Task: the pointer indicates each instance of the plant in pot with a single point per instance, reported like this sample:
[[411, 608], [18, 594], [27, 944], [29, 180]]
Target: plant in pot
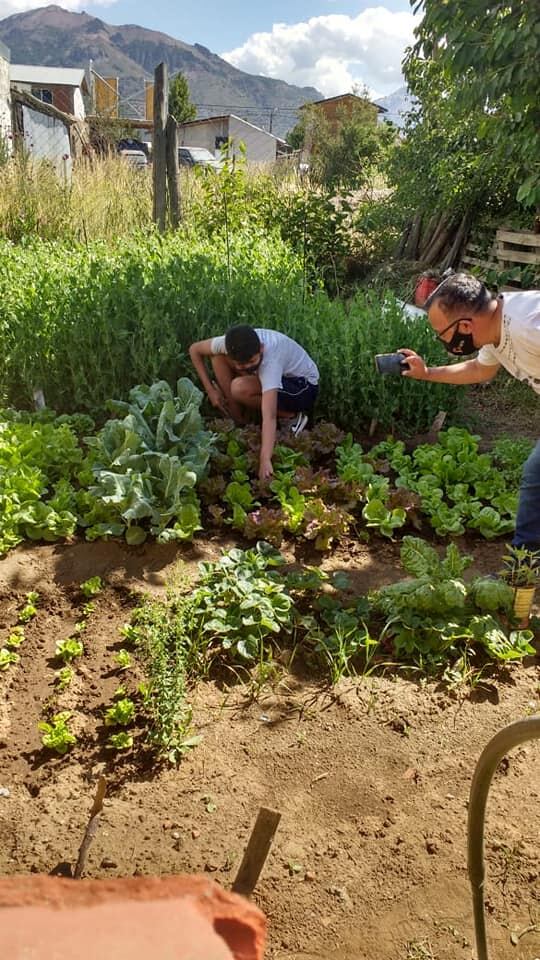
[[522, 572]]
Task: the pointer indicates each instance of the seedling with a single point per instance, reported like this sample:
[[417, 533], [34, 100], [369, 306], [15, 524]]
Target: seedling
[[7, 658], [120, 692], [80, 626], [69, 649], [64, 678], [122, 713], [56, 735], [123, 659], [521, 567], [88, 608], [91, 587], [15, 638], [129, 633], [29, 610], [120, 741]]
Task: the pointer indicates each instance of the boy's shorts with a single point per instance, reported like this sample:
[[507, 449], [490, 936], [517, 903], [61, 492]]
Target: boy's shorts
[[297, 395]]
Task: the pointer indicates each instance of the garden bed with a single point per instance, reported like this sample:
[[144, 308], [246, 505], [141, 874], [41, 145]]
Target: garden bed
[[371, 776]]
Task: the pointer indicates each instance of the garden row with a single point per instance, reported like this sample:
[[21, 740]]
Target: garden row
[[158, 469], [246, 614], [86, 323]]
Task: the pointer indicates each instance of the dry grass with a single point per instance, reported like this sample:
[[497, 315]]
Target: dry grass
[[106, 198]]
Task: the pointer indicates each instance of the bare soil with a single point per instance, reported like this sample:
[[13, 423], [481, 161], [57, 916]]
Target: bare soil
[[371, 777]]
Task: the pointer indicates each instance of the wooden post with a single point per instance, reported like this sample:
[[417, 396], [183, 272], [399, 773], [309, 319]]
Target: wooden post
[[256, 851], [161, 104], [175, 213]]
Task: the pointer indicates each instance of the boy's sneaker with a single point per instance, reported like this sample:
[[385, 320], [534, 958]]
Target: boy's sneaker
[[298, 423]]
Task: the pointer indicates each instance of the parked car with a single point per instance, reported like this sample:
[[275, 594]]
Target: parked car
[[136, 158], [198, 157]]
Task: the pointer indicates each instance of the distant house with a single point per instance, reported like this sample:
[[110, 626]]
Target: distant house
[[337, 108], [216, 132], [59, 87], [48, 113], [5, 110]]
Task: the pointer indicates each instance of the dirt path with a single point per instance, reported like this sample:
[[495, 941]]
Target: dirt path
[[372, 778]]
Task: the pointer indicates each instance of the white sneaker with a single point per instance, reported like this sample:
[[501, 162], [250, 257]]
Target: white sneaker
[[298, 423]]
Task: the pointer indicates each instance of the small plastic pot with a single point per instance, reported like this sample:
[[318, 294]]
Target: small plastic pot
[[523, 601]]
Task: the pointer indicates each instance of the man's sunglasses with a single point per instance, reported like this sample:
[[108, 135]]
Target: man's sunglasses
[[439, 336]]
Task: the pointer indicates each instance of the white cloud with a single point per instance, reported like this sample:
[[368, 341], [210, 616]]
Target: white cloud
[[8, 7], [333, 52]]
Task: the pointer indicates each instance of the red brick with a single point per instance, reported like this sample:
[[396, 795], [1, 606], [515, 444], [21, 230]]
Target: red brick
[[109, 905]]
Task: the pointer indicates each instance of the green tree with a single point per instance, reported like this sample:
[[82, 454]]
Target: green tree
[[345, 154], [441, 163], [488, 53], [180, 105]]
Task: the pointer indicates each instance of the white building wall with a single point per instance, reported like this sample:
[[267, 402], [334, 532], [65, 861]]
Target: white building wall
[[5, 113], [260, 146], [203, 134]]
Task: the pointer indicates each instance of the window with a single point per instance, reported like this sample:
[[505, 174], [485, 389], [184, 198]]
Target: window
[[44, 95]]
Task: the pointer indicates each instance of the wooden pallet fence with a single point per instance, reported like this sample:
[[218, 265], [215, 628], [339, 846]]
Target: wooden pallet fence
[[475, 257], [517, 247]]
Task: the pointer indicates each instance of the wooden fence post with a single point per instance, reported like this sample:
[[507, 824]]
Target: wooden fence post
[[161, 109], [175, 213]]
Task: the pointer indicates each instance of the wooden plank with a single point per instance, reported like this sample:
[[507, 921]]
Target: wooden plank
[[159, 150], [524, 238], [517, 256], [256, 852], [172, 172], [485, 264]]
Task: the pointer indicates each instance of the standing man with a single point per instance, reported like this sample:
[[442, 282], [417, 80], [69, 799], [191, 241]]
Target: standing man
[[506, 332], [258, 369]]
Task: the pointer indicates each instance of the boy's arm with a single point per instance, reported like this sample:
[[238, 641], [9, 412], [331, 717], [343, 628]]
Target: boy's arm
[[197, 352], [268, 433]]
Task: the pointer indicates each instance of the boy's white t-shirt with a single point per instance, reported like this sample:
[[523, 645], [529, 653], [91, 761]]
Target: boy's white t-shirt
[[519, 349], [282, 357]]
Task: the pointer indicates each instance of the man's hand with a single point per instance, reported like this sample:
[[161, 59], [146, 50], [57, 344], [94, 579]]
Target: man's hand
[[217, 399], [265, 471], [417, 368]]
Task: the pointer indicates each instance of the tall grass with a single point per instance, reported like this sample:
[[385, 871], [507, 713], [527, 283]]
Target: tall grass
[[87, 322], [105, 198]]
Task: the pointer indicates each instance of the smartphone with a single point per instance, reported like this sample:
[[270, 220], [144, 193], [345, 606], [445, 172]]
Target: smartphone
[[391, 363]]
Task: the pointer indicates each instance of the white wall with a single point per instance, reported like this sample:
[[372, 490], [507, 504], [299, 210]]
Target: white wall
[[5, 114], [260, 146]]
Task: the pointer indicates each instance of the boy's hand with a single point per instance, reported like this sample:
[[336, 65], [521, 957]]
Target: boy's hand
[[265, 471], [217, 399]]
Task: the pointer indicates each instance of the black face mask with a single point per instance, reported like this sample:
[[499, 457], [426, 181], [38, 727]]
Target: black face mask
[[461, 344], [253, 368]]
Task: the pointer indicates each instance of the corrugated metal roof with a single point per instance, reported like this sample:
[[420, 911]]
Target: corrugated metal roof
[[64, 76]]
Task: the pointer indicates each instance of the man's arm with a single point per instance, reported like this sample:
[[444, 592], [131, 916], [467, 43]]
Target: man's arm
[[268, 433], [197, 352], [468, 371]]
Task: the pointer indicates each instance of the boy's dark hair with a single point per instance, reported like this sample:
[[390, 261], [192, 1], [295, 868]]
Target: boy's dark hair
[[242, 343], [460, 290]]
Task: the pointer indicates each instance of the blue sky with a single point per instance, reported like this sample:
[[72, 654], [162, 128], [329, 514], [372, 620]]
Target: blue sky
[[330, 44]]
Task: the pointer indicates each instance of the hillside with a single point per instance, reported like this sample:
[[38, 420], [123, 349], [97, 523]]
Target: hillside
[[56, 37]]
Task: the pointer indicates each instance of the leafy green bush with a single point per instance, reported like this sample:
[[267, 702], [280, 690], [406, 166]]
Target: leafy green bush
[[87, 323]]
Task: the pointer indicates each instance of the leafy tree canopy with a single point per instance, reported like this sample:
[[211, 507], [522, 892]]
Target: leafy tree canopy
[[488, 55]]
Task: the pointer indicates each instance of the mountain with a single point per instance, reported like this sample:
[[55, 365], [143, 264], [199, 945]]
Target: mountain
[[397, 104], [52, 36]]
